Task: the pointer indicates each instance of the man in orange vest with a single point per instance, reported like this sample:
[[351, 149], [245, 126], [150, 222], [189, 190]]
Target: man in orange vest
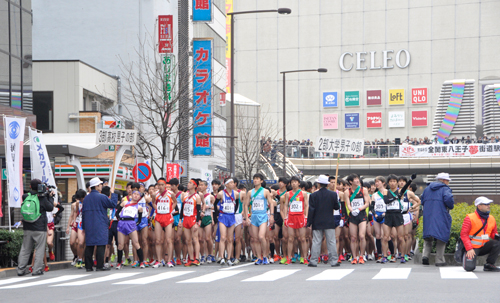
[[483, 242]]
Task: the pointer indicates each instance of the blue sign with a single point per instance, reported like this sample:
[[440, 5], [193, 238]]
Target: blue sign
[[330, 99], [202, 97], [202, 10], [14, 129], [352, 120]]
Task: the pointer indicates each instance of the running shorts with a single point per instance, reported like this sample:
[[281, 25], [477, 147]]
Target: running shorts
[[393, 219], [126, 227], [259, 219], [378, 215], [189, 222], [217, 234], [238, 219], [74, 228], [164, 219], [406, 219], [278, 220], [296, 221], [227, 219], [144, 223], [50, 226], [361, 217], [113, 232], [207, 220], [336, 220]]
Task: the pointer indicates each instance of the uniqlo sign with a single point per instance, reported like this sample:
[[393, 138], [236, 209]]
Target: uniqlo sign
[[418, 95], [419, 118], [373, 120], [373, 97], [165, 34]]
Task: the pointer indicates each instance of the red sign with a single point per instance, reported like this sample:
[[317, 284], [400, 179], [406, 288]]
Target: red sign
[[419, 118], [141, 172], [165, 34], [373, 120], [222, 99], [173, 171], [418, 95], [373, 97]]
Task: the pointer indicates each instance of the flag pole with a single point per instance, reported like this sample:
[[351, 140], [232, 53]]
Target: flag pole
[[336, 173]]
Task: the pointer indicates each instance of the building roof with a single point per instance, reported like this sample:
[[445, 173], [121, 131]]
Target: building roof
[[241, 100]]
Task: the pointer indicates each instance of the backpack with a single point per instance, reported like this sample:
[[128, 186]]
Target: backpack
[[30, 209]]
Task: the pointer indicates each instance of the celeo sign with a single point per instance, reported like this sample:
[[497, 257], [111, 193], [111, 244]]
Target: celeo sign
[[361, 60]]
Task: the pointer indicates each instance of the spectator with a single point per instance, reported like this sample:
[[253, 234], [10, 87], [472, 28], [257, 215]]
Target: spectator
[[479, 234], [437, 200], [35, 229], [95, 222], [435, 141], [455, 140], [467, 141]]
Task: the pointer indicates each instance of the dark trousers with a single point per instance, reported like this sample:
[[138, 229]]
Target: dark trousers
[[492, 249], [99, 254]]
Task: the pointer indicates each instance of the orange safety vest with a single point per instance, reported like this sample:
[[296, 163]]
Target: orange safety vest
[[478, 241]]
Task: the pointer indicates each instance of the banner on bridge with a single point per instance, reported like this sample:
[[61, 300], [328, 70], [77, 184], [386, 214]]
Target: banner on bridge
[[339, 146], [450, 150]]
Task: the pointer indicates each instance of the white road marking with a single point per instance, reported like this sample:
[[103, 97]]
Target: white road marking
[[100, 279], [331, 275], [237, 266], [272, 275], [393, 274], [456, 273], [155, 278], [15, 280], [212, 277], [48, 281]]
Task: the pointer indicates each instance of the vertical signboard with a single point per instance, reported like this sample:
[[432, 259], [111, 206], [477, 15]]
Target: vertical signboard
[[173, 171], [14, 137], [330, 121], [229, 43], [202, 10], [165, 34], [202, 97], [419, 95], [373, 97], [330, 99], [351, 98]]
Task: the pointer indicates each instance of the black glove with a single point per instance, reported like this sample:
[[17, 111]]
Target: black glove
[[413, 177], [379, 219]]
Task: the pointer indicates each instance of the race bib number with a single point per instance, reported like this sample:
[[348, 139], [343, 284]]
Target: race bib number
[[336, 212], [163, 208], [296, 207], [188, 210], [228, 208], [130, 212], [258, 205], [357, 203], [379, 207], [278, 207]]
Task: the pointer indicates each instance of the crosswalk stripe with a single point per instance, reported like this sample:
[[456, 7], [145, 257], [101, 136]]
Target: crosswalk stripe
[[331, 275], [237, 266], [393, 274], [212, 277], [14, 280], [155, 278], [97, 280], [456, 273], [48, 281], [272, 275]]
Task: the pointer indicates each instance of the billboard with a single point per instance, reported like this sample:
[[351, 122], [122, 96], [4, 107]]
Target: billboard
[[352, 120], [396, 97], [330, 121], [165, 34], [351, 98], [202, 10], [373, 97], [397, 119], [419, 118], [419, 95], [374, 120], [330, 99]]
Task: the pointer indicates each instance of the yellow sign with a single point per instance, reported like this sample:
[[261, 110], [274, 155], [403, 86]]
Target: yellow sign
[[120, 185], [229, 68], [396, 96]]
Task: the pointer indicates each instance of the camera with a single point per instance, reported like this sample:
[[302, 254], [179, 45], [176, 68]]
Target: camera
[[44, 189]]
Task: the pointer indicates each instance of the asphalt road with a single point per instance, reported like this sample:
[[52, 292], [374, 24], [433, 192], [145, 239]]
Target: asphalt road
[[247, 283]]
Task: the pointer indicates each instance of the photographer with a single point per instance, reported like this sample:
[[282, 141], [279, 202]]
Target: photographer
[[35, 205]]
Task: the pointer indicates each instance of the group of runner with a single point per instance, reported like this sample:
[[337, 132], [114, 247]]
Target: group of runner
[[170, 224]]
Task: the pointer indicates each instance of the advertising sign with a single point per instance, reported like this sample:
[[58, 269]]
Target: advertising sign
[[351, 98], [165, 34], [373, 97], [419, 118], [374, 120], [396, 119], [450, 150], [339, 146], [330, 121], [202, 10], [352, 120], [396, 96], [419, 95], [330, 99]]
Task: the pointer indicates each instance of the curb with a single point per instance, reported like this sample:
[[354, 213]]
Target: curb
[[12, 271]]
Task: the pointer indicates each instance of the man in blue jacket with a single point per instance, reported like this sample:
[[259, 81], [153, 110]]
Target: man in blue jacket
[[95, 222], [437, 200]]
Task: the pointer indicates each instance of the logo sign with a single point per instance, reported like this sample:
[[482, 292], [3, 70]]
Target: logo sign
[[110, 122], [330, 99], [351, 98], [14, 129], [396, 96], [373, 120], [396, 119], [173, 171], [4, 174], [165, 34], [330, 121], [419, 118], [352, 120], [373, 97], [202, 10], [207, 175], [141, 172], [419, 95], [407, 151]]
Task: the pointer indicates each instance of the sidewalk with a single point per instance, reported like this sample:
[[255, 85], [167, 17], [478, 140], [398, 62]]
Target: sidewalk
[[12, 271]]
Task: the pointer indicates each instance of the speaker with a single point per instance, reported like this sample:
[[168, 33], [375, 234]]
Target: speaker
[[397, 141]]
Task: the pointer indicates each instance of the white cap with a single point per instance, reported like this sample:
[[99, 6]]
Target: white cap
[[482, 200], [443, 176], [95, 181], [322, 179]]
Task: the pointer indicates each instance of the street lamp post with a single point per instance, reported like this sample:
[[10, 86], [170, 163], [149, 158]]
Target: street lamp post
[[319, 70], [282, 11]]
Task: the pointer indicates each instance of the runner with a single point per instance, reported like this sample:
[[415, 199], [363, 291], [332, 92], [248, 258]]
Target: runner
[[151, 222], [127, 213], [51, 216], [206, 223], [409, 204], [191, 211], [295, 210], [178, 243], [278, 219], [227, 208], [339, 223], [216, 186], [80, 196], [357, 200], [74, 230], [112, 229], [142, 229], [378, 209], [238, 226], [256, 199], [370, 243]]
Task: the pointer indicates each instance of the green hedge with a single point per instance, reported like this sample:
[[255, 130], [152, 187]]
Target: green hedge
[[458, 214], [10, 250]]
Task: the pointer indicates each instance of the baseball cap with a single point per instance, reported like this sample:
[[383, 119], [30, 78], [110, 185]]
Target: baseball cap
[[482, 200]]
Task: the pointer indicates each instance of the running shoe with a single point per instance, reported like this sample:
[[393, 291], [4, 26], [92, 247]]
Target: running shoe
[[146, 263], [354, 261], [31, 269], [271, 260], [283, 260], [156, 264], [364, 258], [296, 256], [95, 263], [52, 257], [106, 265], [288, 261], [341, 258], [79, 264], [276, 258], [305, 261], [170, 264], [349, 258], [213, 259], [265, 261], [188, 263], [406, 257], [301, 260], [119, 266], [236, 261], [403, 260], [243, 258], [127, 262], [209, 259], [196, 262], [258, 262], [222, 262], [135, 264], [325, 259], [163, 263], [409, 258], [113, 258], [202, 261], [361, 260], [294, 260], [74, 261], [254, 259], [46, 269], [399, 256], [142, 265], [370, 257], [178, 262], [412, 253], [393, 260], [379, 259], [384, 260], [83, 264], [230, 262]]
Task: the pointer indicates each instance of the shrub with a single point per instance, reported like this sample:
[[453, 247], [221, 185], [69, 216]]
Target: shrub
[[458, 214], [12, 248]]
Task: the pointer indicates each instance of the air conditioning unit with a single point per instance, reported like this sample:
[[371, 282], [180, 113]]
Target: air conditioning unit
[[96, 106]]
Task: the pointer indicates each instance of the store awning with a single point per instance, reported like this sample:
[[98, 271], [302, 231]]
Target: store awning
[[71, 144]]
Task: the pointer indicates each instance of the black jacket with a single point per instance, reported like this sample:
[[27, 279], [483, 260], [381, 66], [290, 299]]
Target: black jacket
[[46, 204], [321, 206]]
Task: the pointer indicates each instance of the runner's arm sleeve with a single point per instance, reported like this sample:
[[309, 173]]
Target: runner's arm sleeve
[[237, 202], [176, 210], [118, 211], [60, 209], [139, 218], [403, 190], [198, 212], [182, 211]]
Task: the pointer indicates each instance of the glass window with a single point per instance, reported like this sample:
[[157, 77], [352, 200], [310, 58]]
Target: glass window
[[62, 186], [43, 109]]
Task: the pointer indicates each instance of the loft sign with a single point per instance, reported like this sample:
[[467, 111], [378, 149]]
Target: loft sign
[[369, 60]]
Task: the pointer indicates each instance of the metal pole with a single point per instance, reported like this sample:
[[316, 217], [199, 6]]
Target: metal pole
[[284, 128], [22, 56], [10, 62], [231, 151]]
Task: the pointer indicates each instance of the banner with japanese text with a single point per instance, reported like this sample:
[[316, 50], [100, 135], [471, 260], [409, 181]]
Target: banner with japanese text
[[202, 10], [339, 146], [206, 175], [450, 150], [165, 34], [202, 97], [14, 138], [40, 162], [173, 171]]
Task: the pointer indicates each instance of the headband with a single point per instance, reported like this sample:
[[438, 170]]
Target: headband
[[136, 191], [161, 181], [194, 182], [227, 181]]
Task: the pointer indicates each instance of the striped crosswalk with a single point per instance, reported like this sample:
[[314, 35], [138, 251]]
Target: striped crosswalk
[[144, 277]]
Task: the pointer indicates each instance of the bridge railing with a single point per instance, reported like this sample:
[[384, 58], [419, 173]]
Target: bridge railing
[[308, 152]]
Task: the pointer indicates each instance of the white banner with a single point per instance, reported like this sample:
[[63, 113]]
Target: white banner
[[40, 162], [116, 136], [14, 137], [339, 146], [147, 183], [206, 175], [450, 150]]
